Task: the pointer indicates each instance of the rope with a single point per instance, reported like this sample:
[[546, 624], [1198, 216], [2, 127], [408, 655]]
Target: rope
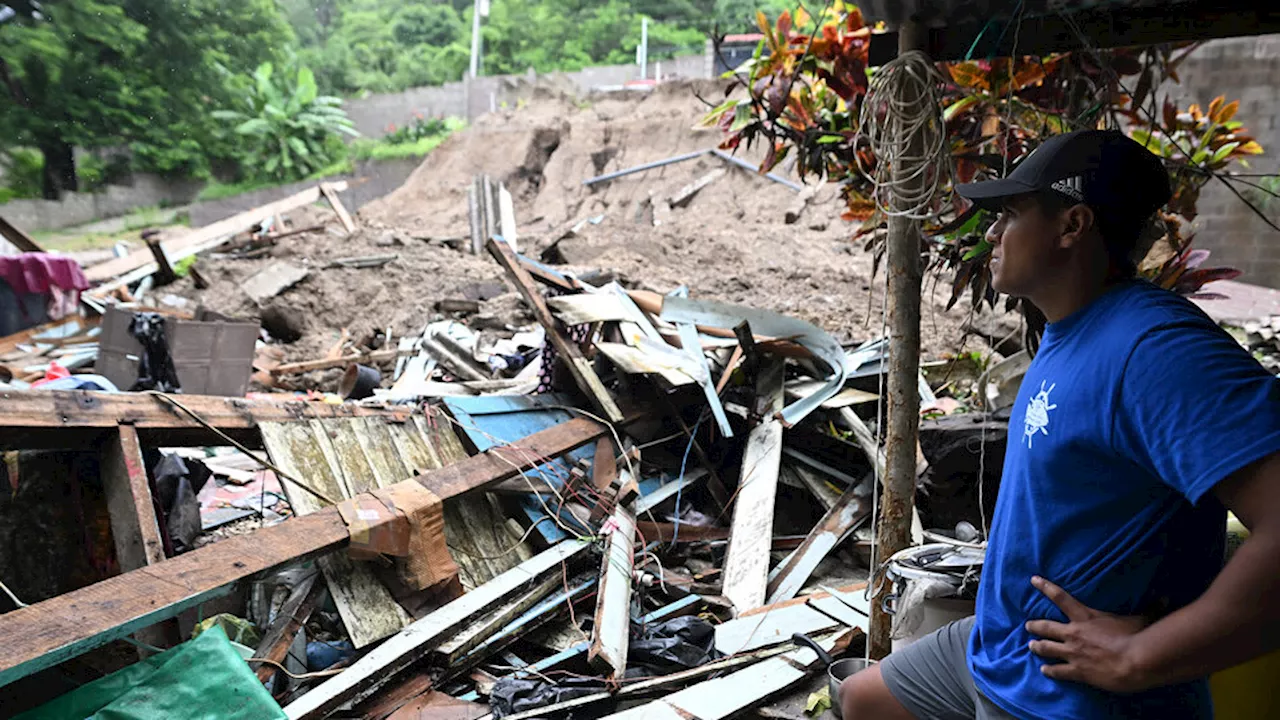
[[303, 676], [901, 109], [12, 597]]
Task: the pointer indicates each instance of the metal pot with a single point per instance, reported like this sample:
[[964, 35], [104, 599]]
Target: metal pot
[[358, 382], [837, 670]]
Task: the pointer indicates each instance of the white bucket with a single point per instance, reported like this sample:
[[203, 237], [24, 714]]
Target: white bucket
[[928, 581]]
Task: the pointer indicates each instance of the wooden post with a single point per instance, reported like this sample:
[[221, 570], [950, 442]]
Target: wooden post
[[894, 532], [583, 373], [20, 240], [746, 564], [344, 217], [474, 216], [134, 528], [164, 274]]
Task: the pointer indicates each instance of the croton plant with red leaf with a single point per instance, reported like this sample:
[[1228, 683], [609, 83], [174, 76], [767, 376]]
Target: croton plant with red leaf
[[803, 89]]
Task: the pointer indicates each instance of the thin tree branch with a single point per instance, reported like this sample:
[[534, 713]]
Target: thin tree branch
[[1245, 200]]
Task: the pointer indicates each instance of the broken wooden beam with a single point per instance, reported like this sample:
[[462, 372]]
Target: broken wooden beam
[[65, 419], [164, 271], [775, 624], [139, 264], [42, 635], [507, 217], [846, 592], [577, 589], [134, 528], [388, 703], [583, 374], [653, 686], [377, 356], [850, 511], [502, 462], [280, 633], [604, 468], [133, 516], [692, 345], [365, 676], [331, 456], [686, 193], [726, 696], [746, 565], [336, 203], [18, 238], [611, 630], [49, 632], [547, 275], [472, 636]]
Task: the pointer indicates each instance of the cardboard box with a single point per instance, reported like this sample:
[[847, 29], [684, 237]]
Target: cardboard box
[[211, 357]]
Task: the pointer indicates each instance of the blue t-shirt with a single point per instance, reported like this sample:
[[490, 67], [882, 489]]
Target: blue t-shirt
[[1133, 409]]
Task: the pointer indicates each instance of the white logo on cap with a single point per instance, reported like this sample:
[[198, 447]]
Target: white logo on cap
[[1072, 187]]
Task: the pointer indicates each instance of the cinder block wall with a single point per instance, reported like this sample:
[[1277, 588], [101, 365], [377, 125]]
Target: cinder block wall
[[1247, 69]]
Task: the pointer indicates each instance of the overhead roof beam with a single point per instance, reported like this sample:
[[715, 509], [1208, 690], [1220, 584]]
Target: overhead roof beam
[[1194, 20]]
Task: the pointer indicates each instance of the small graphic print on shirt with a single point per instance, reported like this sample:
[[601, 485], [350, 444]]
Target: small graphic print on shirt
[[1036, 416]]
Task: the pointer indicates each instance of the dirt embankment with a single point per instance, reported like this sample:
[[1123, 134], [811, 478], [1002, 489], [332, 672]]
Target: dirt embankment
[[729, 243]]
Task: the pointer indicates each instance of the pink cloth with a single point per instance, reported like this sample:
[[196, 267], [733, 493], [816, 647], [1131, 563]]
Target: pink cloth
[[37, 272]]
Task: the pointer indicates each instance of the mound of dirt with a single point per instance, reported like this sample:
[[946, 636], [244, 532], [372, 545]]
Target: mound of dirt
[[730, 242]]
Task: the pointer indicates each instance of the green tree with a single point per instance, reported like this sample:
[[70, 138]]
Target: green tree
[[436, 25], [572, 35], [290, 129], [145, 74], [739, 16], [380, 45]]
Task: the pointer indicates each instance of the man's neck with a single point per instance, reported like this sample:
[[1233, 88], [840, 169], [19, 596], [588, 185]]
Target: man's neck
[[1062, 300]]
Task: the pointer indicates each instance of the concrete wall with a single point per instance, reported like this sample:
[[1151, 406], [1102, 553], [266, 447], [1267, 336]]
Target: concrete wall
[[112, 201], [375, 114], [376, 179], [1245, 69]]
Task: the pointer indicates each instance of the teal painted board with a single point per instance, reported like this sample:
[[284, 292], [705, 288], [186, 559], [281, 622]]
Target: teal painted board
[[499, 419]]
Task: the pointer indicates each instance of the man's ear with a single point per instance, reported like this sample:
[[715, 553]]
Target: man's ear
[[1076, 222]]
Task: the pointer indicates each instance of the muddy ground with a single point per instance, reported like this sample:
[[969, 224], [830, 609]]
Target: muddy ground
[[729, 243]]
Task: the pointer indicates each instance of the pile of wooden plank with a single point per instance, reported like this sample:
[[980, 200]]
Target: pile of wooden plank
[[662, 462]]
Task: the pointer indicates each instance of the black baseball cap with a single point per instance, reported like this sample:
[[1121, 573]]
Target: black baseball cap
[[1103, 169]]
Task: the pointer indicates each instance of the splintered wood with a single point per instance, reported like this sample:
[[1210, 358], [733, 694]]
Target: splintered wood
[[306, 450], [746, 565], [381, 665], [583, 374], [613, 599]]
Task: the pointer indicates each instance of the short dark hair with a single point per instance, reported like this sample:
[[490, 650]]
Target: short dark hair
[[1120, 229]]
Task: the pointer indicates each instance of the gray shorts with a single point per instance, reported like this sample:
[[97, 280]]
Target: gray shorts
[[931, 677]]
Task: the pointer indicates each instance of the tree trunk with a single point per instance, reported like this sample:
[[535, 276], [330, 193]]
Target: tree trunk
[[59, 168], [901, 438]]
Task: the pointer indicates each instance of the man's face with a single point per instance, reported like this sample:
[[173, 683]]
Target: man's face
[[1025, 247]]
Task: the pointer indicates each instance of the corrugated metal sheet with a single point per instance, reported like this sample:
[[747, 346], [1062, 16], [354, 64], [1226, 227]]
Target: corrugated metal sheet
[[497, 419]]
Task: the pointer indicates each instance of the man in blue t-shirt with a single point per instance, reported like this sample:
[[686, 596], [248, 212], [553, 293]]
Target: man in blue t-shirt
[[1139, 423]]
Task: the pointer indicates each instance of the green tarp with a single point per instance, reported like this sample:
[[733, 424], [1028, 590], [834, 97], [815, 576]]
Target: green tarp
[[202, 679]]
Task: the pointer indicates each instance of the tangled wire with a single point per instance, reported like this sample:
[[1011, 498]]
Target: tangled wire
[[901, 120]]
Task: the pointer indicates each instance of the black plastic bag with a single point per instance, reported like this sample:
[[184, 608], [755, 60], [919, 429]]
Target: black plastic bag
[[677, 644], [510, 695], [155, 368], [177, 483]]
